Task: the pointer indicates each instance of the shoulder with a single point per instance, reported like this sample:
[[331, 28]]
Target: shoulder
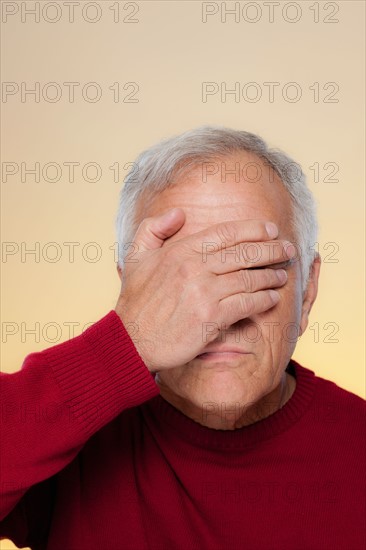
[[333, 401]]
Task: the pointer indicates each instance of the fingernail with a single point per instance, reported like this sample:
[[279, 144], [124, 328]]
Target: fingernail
[[281, 275], [274, 295], [271, 230], [289, 249]]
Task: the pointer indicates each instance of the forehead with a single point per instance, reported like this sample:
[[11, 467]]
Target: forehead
[[235, 187]]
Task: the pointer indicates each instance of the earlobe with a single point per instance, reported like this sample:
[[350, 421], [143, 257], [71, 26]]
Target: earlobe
[[310, 293], [119, 272]]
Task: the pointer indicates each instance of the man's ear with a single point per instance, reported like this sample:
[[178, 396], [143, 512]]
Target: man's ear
[[310, 293], [119, 269]]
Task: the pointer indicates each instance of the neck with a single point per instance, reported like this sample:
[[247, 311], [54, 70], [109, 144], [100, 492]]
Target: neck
[[263, 408]]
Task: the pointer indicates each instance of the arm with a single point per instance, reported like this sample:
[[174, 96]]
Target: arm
[[57, 401]]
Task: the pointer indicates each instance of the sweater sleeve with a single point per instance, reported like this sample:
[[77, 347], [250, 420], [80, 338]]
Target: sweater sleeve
[[58, 400]]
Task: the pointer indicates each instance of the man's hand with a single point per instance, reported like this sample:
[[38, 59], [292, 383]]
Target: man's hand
[[171, 291]]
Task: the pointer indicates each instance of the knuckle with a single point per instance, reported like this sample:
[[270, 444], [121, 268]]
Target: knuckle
[[225, 232], [247, 304], [269, 277], [247, 279], [144, 224]]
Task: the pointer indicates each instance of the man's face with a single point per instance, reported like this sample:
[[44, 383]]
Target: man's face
[[266, 340]]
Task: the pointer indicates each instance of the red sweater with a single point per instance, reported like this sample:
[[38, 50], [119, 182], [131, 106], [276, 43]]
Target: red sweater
[[94, 458]]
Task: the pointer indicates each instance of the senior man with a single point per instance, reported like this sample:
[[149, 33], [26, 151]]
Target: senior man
[[179, 420]]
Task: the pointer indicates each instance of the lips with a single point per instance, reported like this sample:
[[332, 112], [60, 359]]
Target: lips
[[221, 352], [227, 357]]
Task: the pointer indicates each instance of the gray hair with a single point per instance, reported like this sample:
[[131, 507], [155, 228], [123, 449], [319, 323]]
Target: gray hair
[[156, 168]]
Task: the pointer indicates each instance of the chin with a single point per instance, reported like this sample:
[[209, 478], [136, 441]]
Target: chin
[[221, 406], [224, 388]]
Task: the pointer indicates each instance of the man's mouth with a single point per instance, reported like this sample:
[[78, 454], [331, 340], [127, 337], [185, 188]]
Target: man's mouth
[[220, 355]]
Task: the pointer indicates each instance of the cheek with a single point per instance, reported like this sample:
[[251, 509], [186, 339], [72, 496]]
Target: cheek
[[281, 324], [289, 307]]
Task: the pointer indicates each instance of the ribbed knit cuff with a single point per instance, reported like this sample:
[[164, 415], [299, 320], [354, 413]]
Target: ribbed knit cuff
[[101, 373]]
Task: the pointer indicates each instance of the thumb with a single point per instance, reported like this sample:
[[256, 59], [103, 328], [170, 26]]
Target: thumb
[[152, 232]]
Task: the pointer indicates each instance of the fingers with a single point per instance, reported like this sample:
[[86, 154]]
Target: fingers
[[243, 305], [249, 255], [224, 244], [153, 231], [231, 233], [234, 245], [247, 280]]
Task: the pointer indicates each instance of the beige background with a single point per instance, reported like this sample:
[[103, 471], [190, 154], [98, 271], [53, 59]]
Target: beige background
[[169, 51]]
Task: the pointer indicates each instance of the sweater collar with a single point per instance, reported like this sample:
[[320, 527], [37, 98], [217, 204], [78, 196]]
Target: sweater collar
[[172, 423]]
